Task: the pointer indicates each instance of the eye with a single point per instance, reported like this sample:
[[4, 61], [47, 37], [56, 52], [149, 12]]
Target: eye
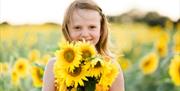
[[92, 27], [77, 27]]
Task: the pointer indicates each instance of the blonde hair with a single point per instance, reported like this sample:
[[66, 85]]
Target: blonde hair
[[102, 45]]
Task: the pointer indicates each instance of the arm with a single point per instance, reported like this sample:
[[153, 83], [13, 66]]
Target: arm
[[48, 78], [118, 84]]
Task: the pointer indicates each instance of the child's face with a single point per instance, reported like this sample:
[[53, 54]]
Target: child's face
[[85, 24]]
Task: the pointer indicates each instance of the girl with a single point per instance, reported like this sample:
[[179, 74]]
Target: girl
[[84, 20]]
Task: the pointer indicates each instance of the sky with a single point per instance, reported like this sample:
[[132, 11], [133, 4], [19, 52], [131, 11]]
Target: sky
[[42, 11]]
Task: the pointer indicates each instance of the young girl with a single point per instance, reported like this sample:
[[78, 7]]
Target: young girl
[[84, 20]]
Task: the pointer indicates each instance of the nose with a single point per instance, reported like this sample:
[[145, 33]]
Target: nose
[[85, 33]]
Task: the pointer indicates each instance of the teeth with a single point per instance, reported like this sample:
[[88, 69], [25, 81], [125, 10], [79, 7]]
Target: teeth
[[85, 39]]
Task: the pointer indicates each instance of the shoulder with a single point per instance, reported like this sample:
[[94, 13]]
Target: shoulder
[[49, 66], [51, 62], [119, 82], [48, 78], [115, 62]]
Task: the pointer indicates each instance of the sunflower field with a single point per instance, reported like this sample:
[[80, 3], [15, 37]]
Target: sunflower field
[[148, 55]]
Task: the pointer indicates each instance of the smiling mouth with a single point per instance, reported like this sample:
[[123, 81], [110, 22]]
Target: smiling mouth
[[87, 40]]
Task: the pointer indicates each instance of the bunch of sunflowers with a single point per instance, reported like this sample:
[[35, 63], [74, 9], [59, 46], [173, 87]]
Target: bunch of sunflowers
[[80, 68]]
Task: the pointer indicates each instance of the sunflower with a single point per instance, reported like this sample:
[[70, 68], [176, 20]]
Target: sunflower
[[174, 70], [68, 56], [162, 44], [1, 65], [176, 40], [99, 87], [149, 63], [15, 78], [87, 50], [176, 48], [109, 75], [162, 47], [125, 63], [74, 89], [36, 74], [60, 85], [22, 67], [44, 60], [4, 67], [71, 78], [96, 67], [34, 55]]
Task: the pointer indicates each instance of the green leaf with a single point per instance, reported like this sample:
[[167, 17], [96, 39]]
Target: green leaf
[[90, 85]]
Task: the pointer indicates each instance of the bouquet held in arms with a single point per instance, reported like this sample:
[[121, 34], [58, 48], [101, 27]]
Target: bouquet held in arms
[[80, 68]]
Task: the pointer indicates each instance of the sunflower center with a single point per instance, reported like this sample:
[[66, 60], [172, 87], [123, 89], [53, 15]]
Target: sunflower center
[[20, 67], [98, 64], [38, 72], [69, 55], [160, 49], [75, 72], [14, 74], [147, 63], [179, 70], [86, 54]]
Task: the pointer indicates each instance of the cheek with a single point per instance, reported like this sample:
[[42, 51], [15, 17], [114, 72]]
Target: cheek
[[74, 35], [96, 38], [97, 35]]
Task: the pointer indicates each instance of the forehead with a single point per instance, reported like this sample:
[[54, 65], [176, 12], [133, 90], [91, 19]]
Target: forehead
[[85, 15]]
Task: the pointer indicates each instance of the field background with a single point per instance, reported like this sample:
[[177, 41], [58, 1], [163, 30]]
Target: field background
[[131, 41]]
